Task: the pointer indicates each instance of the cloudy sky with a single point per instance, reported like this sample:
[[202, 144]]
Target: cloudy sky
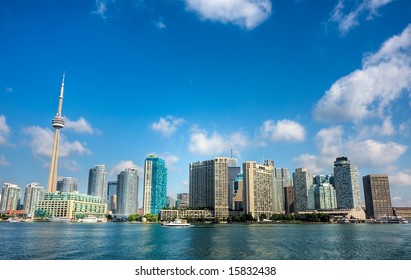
[[300, 82]]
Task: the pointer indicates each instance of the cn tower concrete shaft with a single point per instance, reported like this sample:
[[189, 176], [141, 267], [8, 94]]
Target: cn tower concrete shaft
[[57, 123]]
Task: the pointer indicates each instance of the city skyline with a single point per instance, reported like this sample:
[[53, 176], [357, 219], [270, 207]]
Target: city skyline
[[289, 81]]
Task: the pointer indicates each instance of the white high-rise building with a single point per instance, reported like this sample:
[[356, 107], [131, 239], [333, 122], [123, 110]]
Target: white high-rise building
[[258, 189], [33, 193], [303, 190], [97, 182], [10, 195], [346, 184], [127, 192]]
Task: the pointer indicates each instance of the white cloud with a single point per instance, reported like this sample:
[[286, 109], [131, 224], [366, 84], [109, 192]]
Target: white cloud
[[42, 143], [160, 24], [244, 13], [405, 128], [348, 20], [167, 126], [401, 178], [370, 91], [123, 165], [4, 131], [170, 160], [363, 152], [70, 165], [80, 126], [3, 161], [105, 8], [386, 129], [201, 143], [283, 130]]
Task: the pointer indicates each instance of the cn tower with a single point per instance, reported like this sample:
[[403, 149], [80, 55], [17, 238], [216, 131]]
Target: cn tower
[[57, 123]]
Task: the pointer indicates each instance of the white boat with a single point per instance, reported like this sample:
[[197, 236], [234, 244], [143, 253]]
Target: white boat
[[392, 220], [176, 223], [13, 220], [101, 220], [59, 219], [88, 219]]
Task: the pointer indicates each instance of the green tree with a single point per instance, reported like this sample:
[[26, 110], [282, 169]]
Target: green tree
[[151, 217], [41, 214]]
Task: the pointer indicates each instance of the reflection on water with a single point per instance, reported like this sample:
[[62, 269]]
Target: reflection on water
[[113, 241]]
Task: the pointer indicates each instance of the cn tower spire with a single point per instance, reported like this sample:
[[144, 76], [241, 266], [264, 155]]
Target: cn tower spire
[[57, 123]]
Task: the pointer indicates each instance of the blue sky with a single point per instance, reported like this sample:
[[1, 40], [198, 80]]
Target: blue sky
[[297, 82]]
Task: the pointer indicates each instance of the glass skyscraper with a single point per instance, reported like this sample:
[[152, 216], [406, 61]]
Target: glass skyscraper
[[303, 190], [97, 182], [66, 184], [155, 185], [346, 184], [127, 192]]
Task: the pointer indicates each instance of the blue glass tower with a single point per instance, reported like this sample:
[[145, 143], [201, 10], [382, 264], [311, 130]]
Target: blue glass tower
[[155, 185]]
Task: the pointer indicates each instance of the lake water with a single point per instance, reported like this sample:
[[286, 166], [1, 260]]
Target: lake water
[[124, 241]]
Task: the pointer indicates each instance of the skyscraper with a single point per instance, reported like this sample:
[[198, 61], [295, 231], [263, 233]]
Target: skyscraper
[[289, 199], [33, 193], [258, 182], [377, 196], [112, 195], [66, 184], [238, 196], [155, 185], [303, 190], [346, 184], [97, 182], [57, 123], [233, 171], [208, 185], [182, 200], [10, 196], [127, 192], [282, 179], [324, 193]]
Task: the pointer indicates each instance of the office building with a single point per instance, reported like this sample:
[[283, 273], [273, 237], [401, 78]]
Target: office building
[[97, 182], [377, 196], [112, 196], [155, 185], [183, 200], [66, 184], [258, 182], [33, 193], [303, 190], [346, 184], [171, 202], [208, 185], [10, 196], [282, 179], [57, 123], [127, 192], [324, 193], [289, 199], [238, 196], [233, 171]]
